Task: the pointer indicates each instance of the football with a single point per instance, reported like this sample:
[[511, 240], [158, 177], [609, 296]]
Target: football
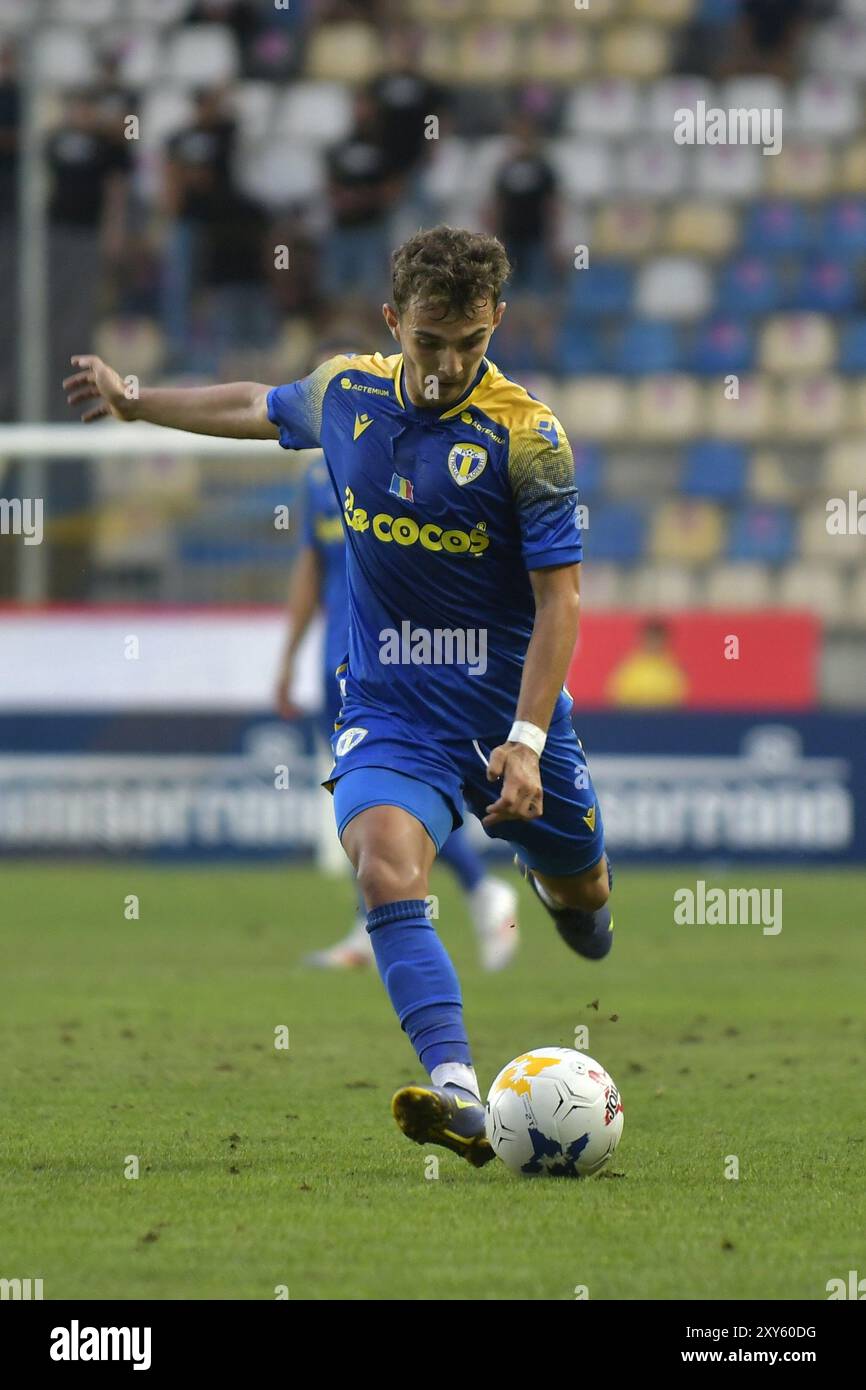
[[554, 1111]]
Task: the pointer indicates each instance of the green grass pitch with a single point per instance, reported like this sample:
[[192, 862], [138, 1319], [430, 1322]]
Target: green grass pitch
[[262, 1168]]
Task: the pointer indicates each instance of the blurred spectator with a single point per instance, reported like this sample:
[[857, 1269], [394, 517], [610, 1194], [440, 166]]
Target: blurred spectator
[[241, 313], [241, 16], [361, 187], [198, 187], [525, 209], [405, 98], [8, 235], [87, 220], [650, 676]]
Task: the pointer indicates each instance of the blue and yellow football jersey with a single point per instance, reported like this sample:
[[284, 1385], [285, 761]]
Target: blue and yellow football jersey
[[445, 511]]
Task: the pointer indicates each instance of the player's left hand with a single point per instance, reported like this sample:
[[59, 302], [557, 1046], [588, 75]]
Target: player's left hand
[[521, 797]]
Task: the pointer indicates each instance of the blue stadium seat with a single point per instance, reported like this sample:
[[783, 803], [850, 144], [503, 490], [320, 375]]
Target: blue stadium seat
[[843, 230], [715, 469], [578, 348], [588, 467], [777, 226], [749, 285], [603, 288], [852, 346], [762, 533], [617, 531], [722, 345], [199, 550], [826, 286], [717, 11], [646, 345]]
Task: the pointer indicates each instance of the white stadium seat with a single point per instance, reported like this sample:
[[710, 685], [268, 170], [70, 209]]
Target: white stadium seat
[[730, 171], [826, 107], [277, 175], [202, 55], [64, 58], [320, 113], [655, 169], [586, 168], [672, 94], [608, 108], [674, 287], [739, 586], [816, 589]]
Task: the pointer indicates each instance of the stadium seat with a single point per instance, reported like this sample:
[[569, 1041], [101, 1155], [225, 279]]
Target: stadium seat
[[781, 476], [134, 343], [202, 55], [63, 58], [164, 110], [662, 11], [85, 11], [761, 533], [557, 53], [276, 181], [616, 533], [486, 54], [812, 408], [625, 229], [714, 469], [687, 532], [800, 170], [728, 171], [717, 11], [673, 287], [656, 169], [740, 585], [316, 113], [749, 285], [595, 408], [441, 11], [663, 587], [588, 470], [844, 464], [578, 347], [644, 345], [515, 10], [667, 409], [827, 286], [838, 47], [604, 288], [816, 590], [855, 415], [701, 228], [140, 61], [671, 94], [797, 343], [754, 91], [601, 584], [254, 104], [843, 228], [777, 227], [628, 467], [852, 173], [343, 51], [163, 12], [722, 345], [605, 108], [585, 168], [751, 415], [634, 50], [826, 108], [823, 546]]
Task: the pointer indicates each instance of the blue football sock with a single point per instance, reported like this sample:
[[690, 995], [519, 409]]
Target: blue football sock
[[421, 981], [460, 857]]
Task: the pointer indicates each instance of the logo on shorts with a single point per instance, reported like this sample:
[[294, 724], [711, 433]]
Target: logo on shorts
[[589, 819], [348, 739], [466, 462]]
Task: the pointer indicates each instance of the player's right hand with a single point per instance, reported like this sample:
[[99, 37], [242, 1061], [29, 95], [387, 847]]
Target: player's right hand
[[283, 703], [96, 381]]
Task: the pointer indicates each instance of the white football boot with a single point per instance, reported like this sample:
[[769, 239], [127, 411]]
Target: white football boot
[[493, 905]]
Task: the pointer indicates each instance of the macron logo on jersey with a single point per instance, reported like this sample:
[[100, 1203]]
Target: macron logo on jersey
[[362, 422], [547, 429]]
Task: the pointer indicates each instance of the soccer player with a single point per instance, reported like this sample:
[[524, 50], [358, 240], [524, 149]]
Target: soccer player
[[463, 561], [318, 579]]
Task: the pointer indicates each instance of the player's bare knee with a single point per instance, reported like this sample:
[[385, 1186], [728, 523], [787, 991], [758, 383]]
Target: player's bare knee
[[382, 880]]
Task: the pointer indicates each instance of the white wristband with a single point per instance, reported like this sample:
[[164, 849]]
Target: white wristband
[[530, 734]]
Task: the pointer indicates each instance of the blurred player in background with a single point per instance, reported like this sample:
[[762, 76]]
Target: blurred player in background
[[318, 581]]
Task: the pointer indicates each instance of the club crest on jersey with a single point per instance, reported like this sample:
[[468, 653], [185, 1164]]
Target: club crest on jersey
[[348, 739], [466, 462]]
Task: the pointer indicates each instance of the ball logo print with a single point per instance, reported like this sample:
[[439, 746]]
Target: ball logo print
[[348, 740], [554, 1112]]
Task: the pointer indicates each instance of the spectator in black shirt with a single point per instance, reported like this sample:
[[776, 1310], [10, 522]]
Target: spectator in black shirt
[[525, 209], [362, 187]]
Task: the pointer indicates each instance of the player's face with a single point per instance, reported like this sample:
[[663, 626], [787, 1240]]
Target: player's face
[[441, 355]]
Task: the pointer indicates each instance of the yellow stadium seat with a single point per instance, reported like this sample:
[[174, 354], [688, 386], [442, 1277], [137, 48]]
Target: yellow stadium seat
[[517, 11], [751, 415], [344, 51], [438, 11], [487, 54], [812, 408], [557, 53], [855, 418], [667, 408], [776, 477], [844, 463], [800, 170], [635, 50], [595, 407], [830, 546], [852, 172], [662, 11], [797, 344], [687, 532], [625, 229], [701, 228]]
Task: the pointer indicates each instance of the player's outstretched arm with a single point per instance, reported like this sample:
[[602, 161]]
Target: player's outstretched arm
[[238, 410]]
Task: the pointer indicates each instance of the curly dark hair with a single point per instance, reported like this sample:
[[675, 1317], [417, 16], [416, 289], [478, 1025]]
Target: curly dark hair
[[449, 267]]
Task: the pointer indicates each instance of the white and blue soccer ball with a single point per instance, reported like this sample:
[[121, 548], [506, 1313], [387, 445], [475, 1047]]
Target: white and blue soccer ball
[[554, 1111]]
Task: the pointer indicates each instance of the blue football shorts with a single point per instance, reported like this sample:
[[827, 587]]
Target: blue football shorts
[[380, 759]]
